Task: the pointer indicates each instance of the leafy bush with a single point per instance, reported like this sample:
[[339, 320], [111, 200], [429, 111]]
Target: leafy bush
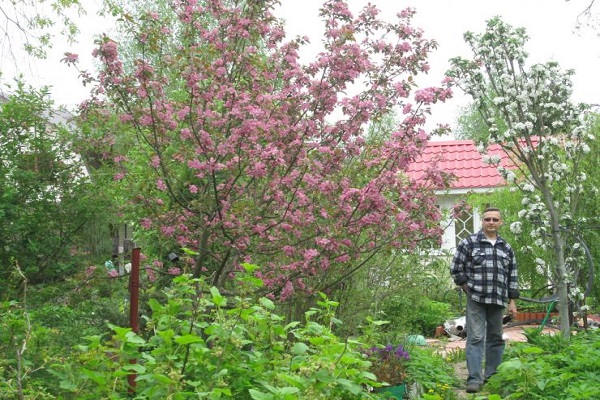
[[433, 375], [24, 349], [416, 314], [551, 368], [200, 344]]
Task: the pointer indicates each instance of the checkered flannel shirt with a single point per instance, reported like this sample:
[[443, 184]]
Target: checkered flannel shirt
[[490, 271]]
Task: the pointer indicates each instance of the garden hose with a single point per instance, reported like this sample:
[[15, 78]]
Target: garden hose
[[549, 310]]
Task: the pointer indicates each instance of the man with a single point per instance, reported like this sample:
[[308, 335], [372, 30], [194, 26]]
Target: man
[[484, 266]]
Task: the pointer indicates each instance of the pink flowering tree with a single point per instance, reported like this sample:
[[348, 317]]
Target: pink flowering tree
[[529, 113], [230, 147]]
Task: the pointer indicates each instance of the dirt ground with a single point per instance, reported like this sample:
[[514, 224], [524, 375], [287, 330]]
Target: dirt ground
[[511, 334]]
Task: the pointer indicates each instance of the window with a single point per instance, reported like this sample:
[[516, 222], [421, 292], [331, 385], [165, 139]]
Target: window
[[463, 225]]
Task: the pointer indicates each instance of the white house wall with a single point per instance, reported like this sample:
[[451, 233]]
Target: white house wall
[[446, 202]]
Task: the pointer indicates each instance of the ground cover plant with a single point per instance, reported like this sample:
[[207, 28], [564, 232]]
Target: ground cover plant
[[551, 368], [432, 374]]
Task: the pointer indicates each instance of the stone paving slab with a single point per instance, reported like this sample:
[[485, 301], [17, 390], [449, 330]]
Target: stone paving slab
[[511, 334]]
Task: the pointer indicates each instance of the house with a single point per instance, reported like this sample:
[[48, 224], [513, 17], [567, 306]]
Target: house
[[461, 159]]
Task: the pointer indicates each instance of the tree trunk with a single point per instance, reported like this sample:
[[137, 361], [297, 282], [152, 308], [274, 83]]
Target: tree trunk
[[561, 272]]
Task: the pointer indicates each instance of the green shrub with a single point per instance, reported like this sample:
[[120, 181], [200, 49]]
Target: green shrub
[[200, 344], [432, 373], [551, 368], [413, 313]]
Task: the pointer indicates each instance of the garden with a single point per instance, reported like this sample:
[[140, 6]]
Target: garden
[[222, 219], [72, 341]]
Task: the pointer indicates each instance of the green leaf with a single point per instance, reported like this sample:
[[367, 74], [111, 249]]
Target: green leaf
[[292, 325], [256, 395], [288, 390], [97, 377], [132, 337], [67, 385], [379, 323], [324, 376], [160, 378], [266, 303], [217, 298], [350, 386], [317, 340], [533, 350], [187, 339], [155, 305], [137, 368], [189, 252], [299, 348]]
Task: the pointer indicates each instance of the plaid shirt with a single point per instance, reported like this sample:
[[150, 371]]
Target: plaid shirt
[[490, 271]]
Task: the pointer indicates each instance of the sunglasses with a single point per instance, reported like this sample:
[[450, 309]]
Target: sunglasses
[[491, 219]]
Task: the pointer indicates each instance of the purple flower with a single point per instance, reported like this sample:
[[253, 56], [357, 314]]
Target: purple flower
[[388, 363]]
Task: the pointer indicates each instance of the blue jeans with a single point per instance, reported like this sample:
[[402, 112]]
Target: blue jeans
[[484, 334]]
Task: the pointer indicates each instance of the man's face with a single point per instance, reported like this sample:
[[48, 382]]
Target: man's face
[[492, 221]]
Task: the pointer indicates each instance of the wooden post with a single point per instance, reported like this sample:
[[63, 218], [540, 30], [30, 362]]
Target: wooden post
[[134, 291]]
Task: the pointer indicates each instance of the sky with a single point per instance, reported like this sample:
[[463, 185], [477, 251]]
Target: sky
[[550, 25]]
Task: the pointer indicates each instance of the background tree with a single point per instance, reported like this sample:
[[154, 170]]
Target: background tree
[[531, 265], [29, 24], [545, 141], [471, 125], [240, 153], [47, 208]]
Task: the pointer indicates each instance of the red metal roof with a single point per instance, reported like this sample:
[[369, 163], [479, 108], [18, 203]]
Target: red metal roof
[[461, 159]]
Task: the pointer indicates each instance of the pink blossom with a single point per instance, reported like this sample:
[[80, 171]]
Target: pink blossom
[[113, 273], [426, 96], [126, 118], [174, 271], [287, 291], [70, 58], [146, 223], [310, 254], [150, 273], [276, 147]]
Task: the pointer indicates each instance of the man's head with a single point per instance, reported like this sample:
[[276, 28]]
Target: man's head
[[491, 222]]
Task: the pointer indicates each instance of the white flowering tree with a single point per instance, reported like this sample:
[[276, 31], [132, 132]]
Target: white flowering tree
[[530, 115]]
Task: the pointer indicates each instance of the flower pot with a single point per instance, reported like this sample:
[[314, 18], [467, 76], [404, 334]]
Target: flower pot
[[392, 392]]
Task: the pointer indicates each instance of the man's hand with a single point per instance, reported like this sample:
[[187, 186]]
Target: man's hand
[[512, 307], [465, 288]]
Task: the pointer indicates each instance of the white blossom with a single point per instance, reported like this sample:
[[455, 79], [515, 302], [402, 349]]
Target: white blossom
[[516, 227], [528, 187], [539, 261], [540, 270], [510, 176]]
